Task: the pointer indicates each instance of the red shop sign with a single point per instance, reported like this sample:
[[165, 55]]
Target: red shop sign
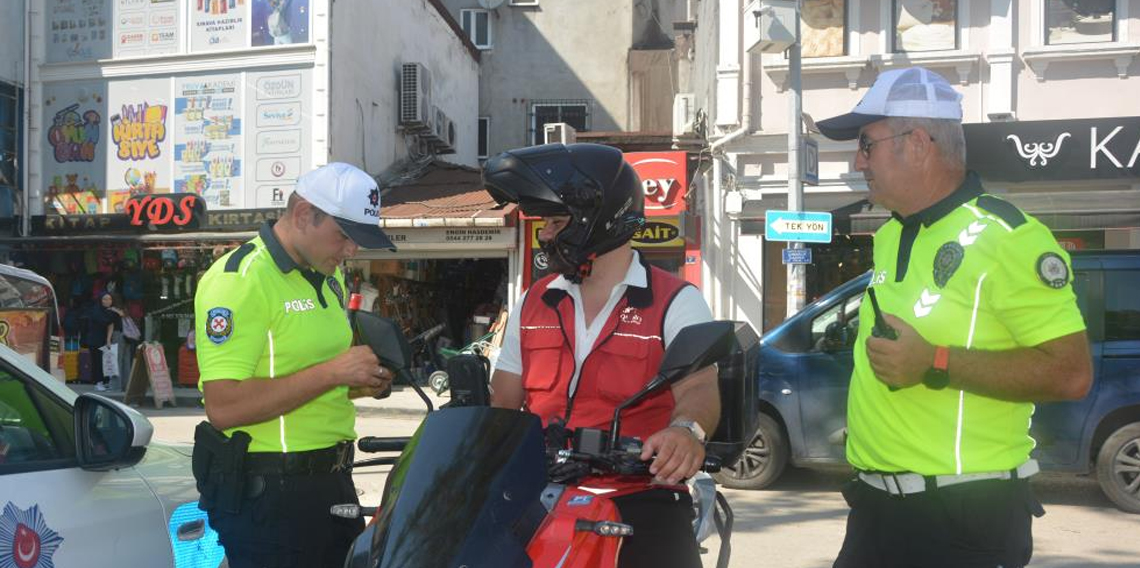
[[174, 211], [664, 178]]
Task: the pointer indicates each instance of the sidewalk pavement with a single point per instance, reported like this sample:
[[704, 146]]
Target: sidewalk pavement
[[404, 402]]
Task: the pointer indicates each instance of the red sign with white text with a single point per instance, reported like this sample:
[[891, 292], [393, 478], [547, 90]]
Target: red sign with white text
[[664, 178]]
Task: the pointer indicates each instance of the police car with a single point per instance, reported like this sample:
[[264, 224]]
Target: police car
[[81, 484]]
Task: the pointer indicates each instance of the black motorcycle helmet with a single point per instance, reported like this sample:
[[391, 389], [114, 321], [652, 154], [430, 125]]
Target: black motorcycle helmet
[[591, 183]]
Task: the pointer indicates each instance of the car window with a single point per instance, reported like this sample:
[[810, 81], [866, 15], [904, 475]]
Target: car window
[[819, 325], [35, 429], [1121, 305]]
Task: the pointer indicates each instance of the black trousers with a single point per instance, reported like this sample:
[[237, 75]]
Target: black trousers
[[288, 524], [662, 522], [980, 524]]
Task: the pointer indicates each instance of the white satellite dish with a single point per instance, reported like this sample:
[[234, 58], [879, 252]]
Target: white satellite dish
[[490, 4]]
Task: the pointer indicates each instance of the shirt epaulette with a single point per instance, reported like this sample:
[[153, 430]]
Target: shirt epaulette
[[234, 262], [1005, 210]]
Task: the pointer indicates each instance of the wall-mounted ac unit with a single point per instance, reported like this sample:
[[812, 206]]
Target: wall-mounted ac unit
[[445, 134], [415, 97], [684, 114], [559, 133]]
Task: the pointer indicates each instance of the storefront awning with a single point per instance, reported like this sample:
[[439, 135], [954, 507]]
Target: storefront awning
[[447, 195], [1068, 211]]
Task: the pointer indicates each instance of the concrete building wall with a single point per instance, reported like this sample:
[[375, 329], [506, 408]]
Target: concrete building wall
[[556, 51], [12, 41], [370, 42]]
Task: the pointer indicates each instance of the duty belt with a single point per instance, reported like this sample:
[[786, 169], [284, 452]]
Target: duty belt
[[909, 483], [333, 459]]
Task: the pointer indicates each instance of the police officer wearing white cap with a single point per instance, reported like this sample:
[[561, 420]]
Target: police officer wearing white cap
[[978, 321], [277, 374]]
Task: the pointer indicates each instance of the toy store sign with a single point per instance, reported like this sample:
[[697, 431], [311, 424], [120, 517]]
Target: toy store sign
[[450, 238], [664, 180], [144, 213]]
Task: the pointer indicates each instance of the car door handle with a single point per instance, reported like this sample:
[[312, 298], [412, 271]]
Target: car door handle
[[192, 530]]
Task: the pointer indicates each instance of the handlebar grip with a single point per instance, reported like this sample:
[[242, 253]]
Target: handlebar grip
[[373, 444], [711, 465]]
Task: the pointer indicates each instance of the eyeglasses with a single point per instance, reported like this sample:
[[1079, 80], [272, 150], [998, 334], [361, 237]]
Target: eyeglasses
[[865, 143]]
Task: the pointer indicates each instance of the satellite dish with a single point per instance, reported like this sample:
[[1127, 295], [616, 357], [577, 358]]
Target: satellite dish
[[490, 4]]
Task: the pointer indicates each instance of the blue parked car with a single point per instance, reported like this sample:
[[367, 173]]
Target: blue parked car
[[806, 362]]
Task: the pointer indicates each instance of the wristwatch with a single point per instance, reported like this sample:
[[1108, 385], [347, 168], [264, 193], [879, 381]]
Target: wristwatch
[[691, 426], [937, 377]]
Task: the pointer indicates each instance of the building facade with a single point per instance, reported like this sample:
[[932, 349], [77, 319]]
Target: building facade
[[1049, 101]]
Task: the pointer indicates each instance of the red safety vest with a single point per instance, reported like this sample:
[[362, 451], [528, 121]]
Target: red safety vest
[[625, 357]]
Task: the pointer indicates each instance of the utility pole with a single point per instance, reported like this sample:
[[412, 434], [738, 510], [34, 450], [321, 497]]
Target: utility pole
[[796, 276]]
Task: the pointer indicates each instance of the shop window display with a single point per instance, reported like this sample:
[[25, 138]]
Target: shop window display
[[467, 296], [1079, 21], [154, 284], [926, 25]]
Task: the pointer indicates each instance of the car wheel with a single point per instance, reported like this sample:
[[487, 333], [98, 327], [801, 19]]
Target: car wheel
[[763, 460], [1118, 467]]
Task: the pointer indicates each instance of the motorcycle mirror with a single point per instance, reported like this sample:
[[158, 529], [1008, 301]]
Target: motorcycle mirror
[[386, 340], [695, 347]]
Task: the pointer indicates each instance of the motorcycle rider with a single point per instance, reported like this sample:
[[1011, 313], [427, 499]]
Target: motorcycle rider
[[590, 335]]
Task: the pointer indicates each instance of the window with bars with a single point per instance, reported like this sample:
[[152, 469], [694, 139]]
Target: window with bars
[[10, 143], [574, 113], [477, 25]]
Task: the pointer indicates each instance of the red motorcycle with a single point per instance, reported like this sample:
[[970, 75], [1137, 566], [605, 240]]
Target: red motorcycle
[[479, 486]]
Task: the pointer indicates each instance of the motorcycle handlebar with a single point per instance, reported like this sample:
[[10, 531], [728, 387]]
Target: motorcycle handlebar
[[428, 334], [374, 444]]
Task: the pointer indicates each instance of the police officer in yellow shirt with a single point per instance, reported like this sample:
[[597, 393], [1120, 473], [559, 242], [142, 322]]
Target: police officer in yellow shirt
[[978, 321], [277, 374]]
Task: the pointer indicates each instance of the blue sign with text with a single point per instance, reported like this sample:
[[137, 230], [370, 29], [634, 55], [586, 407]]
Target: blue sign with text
[[797, 256], [797, 226]]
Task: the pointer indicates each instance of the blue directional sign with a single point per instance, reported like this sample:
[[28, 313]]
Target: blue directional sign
[[797, 256], [799, 226]]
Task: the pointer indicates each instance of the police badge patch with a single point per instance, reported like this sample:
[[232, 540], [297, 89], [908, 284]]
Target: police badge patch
[[219, 325], [334, 285], [1052, 270], [947, 261]]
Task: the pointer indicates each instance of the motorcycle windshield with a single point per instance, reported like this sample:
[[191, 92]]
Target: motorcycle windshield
[[465, 492]]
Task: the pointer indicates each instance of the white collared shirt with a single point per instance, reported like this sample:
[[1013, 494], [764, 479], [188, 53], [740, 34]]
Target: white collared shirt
[[688, 308]]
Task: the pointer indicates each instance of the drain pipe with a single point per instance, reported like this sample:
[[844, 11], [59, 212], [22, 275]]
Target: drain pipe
[[724, 227]]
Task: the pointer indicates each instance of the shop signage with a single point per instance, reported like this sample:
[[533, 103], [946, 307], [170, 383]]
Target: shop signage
[[659, 232], [180, 211], [1047, 150], [200, 219], [798, 226], [450, 238], [242, 219], [664, 179]]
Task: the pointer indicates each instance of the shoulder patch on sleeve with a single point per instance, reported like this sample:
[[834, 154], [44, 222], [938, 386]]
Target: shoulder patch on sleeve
[[234, 262], [219, 325], [1052, 270], [1005, 210]]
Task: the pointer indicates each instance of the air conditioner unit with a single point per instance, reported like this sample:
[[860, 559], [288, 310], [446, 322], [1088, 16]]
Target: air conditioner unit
[[684, 114], [443, 134], [559, 133], [415, 97]]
